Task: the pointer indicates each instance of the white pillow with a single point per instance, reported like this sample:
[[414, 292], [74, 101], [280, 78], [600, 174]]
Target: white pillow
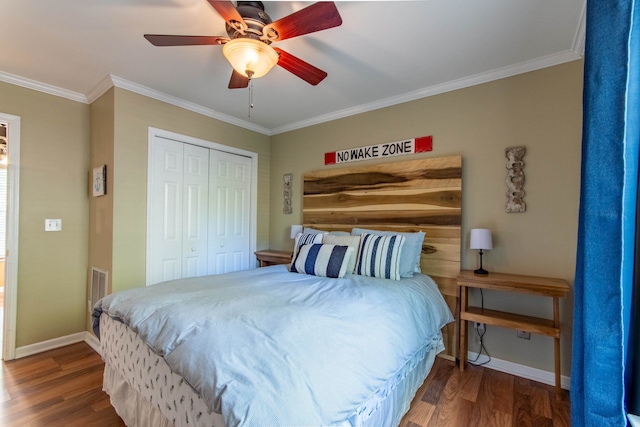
[[335, 233], [322, 260], [380, 256]]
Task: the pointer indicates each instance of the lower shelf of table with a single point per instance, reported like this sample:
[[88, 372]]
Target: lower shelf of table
[[520, 322]]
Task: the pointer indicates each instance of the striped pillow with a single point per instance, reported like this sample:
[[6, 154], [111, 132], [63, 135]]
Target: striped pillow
[[379, 256], [305, 239], [322, 260]]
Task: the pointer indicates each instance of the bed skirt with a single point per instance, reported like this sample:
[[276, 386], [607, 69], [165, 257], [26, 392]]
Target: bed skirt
[[145, 393], [129, 404]]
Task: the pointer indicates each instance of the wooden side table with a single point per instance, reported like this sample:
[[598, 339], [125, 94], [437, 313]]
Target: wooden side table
[[542, 286], [272, 256]]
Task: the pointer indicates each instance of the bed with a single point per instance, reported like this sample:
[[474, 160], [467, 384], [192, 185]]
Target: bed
[[271, 346]]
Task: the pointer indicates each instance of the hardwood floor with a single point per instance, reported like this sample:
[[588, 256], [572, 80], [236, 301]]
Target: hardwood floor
[[482, 397], [63, 387]]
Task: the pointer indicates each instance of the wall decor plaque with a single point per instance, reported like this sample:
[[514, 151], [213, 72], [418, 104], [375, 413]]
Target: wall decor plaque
[[515, 179], [99, 181], [389, 149], [288, 178]]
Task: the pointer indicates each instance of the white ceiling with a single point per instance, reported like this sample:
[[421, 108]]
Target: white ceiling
[[385, 52]]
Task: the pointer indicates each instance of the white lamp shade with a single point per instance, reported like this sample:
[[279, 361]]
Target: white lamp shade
[[295, 229], [250, 55], [481, 239]]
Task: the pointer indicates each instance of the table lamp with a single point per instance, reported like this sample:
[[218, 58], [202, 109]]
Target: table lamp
[[481, 239], [295, 229]]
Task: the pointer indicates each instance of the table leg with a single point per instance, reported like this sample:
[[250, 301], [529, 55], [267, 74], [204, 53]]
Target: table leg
[[464, 292], [556, 344]]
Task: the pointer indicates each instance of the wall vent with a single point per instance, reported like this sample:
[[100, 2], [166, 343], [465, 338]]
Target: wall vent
[[98, 286]]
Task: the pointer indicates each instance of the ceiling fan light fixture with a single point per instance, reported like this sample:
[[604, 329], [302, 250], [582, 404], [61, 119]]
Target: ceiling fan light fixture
[[250, 56]]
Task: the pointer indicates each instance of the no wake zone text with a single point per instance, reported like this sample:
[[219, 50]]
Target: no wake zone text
[[410, 146]]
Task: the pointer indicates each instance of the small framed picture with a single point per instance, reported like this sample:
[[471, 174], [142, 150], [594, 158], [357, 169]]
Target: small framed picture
[[99, 184]]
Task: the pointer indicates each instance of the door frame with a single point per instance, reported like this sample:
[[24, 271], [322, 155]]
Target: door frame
[[11, 256], [253, 208]]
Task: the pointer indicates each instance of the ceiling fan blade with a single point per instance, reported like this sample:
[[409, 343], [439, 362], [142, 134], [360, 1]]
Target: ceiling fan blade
[[229, 13], [238, 81], [317, 17], [168, 40], [297, 66]]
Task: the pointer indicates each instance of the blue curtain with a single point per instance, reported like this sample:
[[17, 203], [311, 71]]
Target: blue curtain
[[606, 233], [631, 296]]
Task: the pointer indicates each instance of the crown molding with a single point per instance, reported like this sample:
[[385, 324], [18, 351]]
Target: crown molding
[[110, 81], [42, 87], [497, 74], [581, 32], [100, 89], [121, 83]]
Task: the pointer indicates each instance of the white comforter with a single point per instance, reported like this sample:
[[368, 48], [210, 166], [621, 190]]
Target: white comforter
[[268, 347]]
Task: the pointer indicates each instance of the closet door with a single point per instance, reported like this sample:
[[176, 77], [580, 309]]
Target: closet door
[[195, 207], [178, 191], [229, 205], [165, 191]]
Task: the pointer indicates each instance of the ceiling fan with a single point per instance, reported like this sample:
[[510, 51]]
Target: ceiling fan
[[250, 34]]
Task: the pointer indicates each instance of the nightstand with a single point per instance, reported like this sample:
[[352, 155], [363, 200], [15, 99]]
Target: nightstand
[[533, 285], [272, 257]]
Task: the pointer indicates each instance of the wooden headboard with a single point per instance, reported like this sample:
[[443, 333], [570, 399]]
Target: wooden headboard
[[412, 195]]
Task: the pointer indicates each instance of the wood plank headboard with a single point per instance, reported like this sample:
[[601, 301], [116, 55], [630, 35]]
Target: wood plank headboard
[[412, 195]]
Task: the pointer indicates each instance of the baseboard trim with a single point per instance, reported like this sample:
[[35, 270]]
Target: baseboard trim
[[523, 371], [31, 349], [93, 342]]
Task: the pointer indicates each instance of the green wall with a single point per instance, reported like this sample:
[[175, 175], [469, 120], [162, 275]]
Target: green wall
[[101, 208], [54, 183]]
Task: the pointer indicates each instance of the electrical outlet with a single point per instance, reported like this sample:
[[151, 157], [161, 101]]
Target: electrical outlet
[[524, 335]]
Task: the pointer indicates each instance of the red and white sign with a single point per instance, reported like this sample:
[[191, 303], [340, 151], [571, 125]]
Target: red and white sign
[[387, 149]]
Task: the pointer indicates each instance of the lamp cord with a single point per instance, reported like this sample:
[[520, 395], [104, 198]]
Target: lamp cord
[[481, 337]]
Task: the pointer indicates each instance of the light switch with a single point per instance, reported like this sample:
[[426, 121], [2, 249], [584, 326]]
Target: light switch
[[52, 225]]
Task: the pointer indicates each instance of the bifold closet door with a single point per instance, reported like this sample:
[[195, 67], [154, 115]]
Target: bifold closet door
[[179, 180], [229, 204]]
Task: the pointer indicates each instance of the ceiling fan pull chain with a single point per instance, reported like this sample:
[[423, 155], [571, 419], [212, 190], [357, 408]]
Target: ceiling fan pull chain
[[250, 96]]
